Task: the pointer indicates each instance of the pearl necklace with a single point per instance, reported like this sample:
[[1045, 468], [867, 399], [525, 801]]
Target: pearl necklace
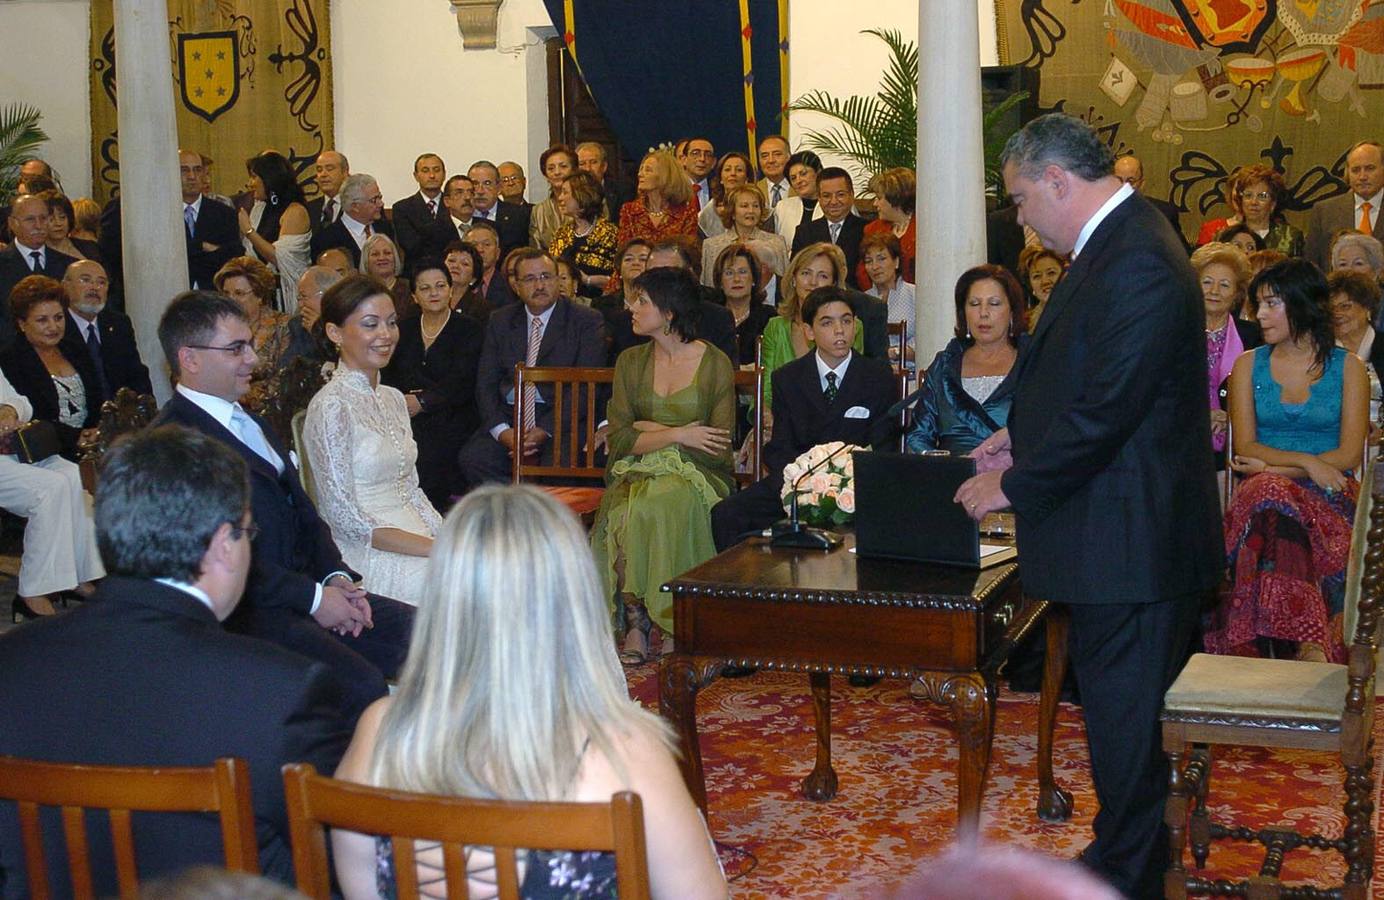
[[423, 327]]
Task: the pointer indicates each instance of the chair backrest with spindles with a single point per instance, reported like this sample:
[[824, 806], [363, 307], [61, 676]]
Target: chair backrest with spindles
[[222, 788], [575, 399], [315, 801]]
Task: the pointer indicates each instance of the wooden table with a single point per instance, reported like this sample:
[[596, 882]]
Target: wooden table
[[830, 613]]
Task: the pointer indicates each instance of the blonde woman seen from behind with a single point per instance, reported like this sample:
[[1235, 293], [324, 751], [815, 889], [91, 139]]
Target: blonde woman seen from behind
[[511, 580]]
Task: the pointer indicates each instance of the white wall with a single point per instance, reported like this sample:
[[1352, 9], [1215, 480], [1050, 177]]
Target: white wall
[[43, 45], [818, 32], [404, 84]]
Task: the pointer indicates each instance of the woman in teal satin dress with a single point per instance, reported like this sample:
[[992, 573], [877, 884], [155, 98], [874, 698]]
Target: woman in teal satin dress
[[671, 415]]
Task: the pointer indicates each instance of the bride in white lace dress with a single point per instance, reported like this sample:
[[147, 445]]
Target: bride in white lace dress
[[361, 451]]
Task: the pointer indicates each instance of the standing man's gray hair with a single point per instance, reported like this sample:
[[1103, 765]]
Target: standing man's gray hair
[[1061, 140], [354, 188]]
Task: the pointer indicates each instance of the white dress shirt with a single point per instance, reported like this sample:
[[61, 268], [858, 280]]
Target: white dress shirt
[[1106, 209], [356, 229], [191, 590], [25, 253], [823, 369]]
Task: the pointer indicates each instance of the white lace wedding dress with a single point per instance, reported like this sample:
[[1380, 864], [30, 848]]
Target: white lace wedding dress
[[362, 456]]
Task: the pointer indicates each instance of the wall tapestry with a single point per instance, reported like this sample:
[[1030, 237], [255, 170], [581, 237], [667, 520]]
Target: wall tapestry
[[1196, 88], [247, 75]]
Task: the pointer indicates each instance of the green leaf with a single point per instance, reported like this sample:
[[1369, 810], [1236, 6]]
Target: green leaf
[[20, 138]]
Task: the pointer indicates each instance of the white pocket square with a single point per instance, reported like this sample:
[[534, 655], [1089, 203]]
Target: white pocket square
[[857, 412]]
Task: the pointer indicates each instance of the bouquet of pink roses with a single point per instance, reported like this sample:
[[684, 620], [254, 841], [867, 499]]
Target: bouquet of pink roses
[[827, 496]]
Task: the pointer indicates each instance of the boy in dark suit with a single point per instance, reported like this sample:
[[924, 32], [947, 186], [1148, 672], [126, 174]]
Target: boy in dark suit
[[831, 394]]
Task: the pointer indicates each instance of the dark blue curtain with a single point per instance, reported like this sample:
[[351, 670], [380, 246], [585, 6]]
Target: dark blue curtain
[[664, 70]]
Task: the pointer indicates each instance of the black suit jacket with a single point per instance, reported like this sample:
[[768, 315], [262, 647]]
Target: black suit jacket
[[717, 328], [574, 336], [1004, 239], [218, 226], [512, 221], [803, 418], [28, 375], [145, 675], [1171, 213], [337, 235], [109, 241], [14, 269], [498, 293], [119, 352], [415, 228], [294, 550], [314, 207], [1325, 219], [852, 232], [1113, 480]]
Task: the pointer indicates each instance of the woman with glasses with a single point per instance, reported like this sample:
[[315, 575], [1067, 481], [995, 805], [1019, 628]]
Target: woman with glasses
[[250, 284], [360, 446], [1299, 406], [1255, 193]]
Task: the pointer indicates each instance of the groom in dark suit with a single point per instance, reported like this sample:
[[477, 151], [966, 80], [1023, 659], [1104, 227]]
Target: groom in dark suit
[[146, 676], [1107, 464], [831, 394], [300, 594]]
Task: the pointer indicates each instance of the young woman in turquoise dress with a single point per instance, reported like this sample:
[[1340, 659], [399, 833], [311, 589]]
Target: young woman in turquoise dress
[[1299, 408], [671, 414]]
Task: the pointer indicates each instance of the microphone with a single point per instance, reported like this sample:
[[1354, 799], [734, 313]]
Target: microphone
[[908, 401], [792, 533]]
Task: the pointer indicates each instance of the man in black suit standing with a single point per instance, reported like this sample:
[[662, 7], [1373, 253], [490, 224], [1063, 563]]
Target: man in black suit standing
[[544, 329], [513, 183], [146, 676], [362, 215], [1005, 239], [1130, 170], [211, 229], [102, 333], [839, 224], [416, 216], [1357, 210], [300, 594], [28, 254], [1111, 473], [831, 394], [330, 172], [511, 222]]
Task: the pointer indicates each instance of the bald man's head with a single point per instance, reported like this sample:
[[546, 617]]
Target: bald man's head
[[87, 286]]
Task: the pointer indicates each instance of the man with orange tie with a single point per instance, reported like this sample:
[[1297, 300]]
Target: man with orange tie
[[1358, 210]]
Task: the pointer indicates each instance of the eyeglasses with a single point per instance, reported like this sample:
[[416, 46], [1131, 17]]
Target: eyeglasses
[[1261, 196], [543, 278], [511, 179], [249, 531], [234, 348]]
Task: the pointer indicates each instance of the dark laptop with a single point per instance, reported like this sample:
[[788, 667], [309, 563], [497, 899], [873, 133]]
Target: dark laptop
[[904, 510]]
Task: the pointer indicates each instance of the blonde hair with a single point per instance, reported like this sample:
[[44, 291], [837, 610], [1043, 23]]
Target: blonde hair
[[671, 180], [512, 667], [791, 303], [1227, 255], [733, 196], [86, 215], [369, 245]]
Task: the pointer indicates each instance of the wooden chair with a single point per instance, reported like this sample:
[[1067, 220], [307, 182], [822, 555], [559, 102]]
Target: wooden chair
[[897, 334], [315, 801], [126, 412], [1282, 703], [573, 399], [751, 382], [222, 788], [304, 466]]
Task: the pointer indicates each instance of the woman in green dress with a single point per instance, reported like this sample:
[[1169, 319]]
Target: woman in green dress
[[671, 414]]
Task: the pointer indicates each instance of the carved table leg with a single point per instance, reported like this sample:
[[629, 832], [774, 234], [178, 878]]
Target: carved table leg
[[1054, 804], [679, 678], [820, 784], [972, 709]]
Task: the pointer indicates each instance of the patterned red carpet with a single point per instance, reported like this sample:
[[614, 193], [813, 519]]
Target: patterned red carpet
[[896, 760]]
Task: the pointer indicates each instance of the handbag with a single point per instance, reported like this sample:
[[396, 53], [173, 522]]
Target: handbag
[[36, 441]]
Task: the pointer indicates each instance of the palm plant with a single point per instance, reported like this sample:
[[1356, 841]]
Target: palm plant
[[20, 138], [881, 131]]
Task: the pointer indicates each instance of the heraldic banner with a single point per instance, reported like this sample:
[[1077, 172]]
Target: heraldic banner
[[1197, 88], [248, 75]]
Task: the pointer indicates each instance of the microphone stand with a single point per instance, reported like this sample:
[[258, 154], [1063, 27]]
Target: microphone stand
[[792, 533]]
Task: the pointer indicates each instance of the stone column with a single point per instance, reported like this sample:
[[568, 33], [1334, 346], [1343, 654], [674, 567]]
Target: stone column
[[950, 166], [155, 253]]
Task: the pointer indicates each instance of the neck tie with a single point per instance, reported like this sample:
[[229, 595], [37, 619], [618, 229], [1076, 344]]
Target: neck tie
[[329, 211], [531, 357], [37, 264], [251, 436], [462, 229], [776, 195], [835, 228], [190, 219], [93, 342], [432, 208], [832, 390], [368, 231], [1365, 226]]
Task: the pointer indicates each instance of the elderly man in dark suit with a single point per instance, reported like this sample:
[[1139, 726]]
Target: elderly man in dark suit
[[1357, 210], [511, 221], [211, 229], [300, 594], [543, 329], [839, 224], [329, 172], [27, 255], [416, 217], [362, 215], [1107, 464], [104, 334], [146, 676], [830, 394]]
